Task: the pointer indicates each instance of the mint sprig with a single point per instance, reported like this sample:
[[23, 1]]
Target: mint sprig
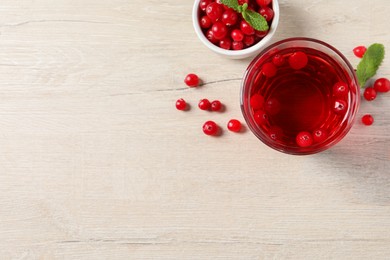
[[370, 63], [256, 20]]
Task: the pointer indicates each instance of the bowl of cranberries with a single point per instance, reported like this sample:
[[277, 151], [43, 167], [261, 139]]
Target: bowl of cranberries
[[228, 31]]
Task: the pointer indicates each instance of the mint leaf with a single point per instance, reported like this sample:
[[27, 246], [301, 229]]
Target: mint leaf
[[231, 3], [256, 20], [370, 63]]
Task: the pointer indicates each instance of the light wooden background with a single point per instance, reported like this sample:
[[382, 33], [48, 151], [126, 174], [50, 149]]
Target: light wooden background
[[96, 163]]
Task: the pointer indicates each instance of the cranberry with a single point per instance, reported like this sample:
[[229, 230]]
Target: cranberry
[[203, 4], [359, 51], [340, 89], [204, 104], [225, 43], [219, 30], [382, 85], [340, 106], [260, 117], [261, 34], [269, 69], [304, 139], [249, 40], [205, 22], [229, 17], [241, 2], [319, 135], [237, 35], [246, 28], [234, 125], [272, 106], [298, 60], [278, 60], [367, 119], [214, 11], [267, 13], [256, 101], [191, 80], [369, 93], [237, 46], [181, 104], [216, 105], [210, 36], [210, 128], [275, 133], [263, 2]]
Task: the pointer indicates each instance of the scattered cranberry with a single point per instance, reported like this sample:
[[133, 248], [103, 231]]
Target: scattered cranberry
[[246, 28], [359, 51], [340, 106], [382, 85], [269, 69], [260, 117], [278, 60], [219, 30], [191, 80], [263, 2], [216, 105], [367, 119], [237, 35], [272, 106], [229, 17], [256, 101], [203, 4], [204, 104], [210, 128], [234, 125], [225, 43], [298, 60], [181, 104], [205, 22], [340, 89], [214, 11], [304, 139], [237, 46], [267, 13], [319, 135], [275, 133], [249, 40], [369, 93]]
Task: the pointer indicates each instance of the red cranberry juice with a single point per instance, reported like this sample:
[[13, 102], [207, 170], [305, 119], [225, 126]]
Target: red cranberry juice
[[306, 94]]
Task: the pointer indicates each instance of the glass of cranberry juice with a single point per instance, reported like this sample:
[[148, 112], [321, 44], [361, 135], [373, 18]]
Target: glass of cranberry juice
[[300, 96]]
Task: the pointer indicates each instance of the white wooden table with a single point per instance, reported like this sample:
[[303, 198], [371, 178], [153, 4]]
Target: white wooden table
[[96, 163]]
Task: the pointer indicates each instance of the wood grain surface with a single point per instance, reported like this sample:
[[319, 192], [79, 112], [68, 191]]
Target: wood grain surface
[[96, 163]]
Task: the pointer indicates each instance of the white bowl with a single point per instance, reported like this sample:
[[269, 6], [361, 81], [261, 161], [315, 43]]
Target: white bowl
[[233, 54]]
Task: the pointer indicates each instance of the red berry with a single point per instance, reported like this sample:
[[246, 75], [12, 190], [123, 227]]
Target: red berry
[[216, 105], [237, 46], [261, 34], [260, 117], [369, 93], [340, 106], [210, 36], [267, 13], [219, 30], [367, 119], [229, 17], [205, 22], [382, 85], [269, 70], [340, 89], [275, 133], [214, 11], [246, 28], [257, 101], [181, 104], [203, 4], [210, 128], [304, 139], [263, 2], [237, 35], [241, 2], [298, 60], [225, 43], [191, 80], [204, 104], [278, 60], [319, 135], [359, 51], [249, 40], [234, 125], [272, 106]]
